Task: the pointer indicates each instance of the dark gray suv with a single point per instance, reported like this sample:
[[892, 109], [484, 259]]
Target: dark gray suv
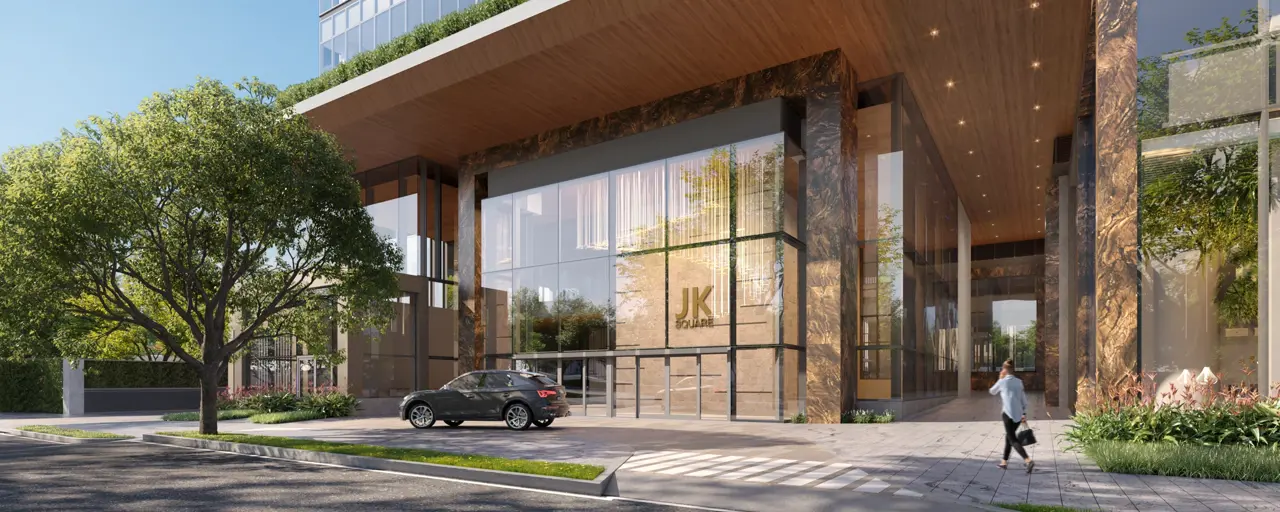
[[518, 398]]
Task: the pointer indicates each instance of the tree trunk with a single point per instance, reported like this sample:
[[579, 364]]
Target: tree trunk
[[209, 399]]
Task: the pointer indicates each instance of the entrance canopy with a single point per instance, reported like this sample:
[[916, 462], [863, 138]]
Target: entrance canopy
[[996, 80]]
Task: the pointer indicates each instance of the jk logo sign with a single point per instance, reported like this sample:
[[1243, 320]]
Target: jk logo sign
[[696, 314]]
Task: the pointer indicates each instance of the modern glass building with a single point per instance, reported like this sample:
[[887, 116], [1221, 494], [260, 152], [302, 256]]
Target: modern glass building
[[816, 206], [349, 27]]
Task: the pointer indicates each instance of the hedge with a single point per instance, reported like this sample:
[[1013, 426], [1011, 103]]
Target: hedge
[[140, 374], [418, 38], [31, 386]]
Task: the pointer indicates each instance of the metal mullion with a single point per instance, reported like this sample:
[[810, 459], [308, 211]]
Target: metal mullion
[[666, 371], [698, 383]]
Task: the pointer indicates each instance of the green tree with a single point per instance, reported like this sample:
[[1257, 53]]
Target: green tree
[[1204, 202], [210, 217]]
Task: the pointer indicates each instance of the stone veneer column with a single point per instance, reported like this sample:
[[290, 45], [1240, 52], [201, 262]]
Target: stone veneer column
[[964, 303], [830, 140], [469, 299], [1049, 336], [1116, 252]]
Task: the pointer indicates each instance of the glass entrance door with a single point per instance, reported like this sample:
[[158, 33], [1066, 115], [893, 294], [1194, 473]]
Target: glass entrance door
[[652, 378]]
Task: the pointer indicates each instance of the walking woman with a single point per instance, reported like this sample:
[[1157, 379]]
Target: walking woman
[[1013, 405]]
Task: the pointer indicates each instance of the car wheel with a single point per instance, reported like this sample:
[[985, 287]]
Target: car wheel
[[518, 417], [544, 423], [421, 415], [452, 423]]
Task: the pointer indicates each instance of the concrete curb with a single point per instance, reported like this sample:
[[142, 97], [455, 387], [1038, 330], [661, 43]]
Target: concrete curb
[[62, 439], [597, 487]]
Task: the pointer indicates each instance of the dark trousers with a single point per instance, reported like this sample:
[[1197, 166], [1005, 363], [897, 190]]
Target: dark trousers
[[1011, 437]]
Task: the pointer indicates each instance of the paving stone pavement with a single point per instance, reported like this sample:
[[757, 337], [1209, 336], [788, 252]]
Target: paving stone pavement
[[949, 453]]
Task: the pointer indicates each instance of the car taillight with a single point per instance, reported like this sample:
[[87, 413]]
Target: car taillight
[[543, 393]]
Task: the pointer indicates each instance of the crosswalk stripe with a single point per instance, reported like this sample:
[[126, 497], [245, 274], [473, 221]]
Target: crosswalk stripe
[[817, 474], [874, 486], [908, 493], [647, 455], [664, 458], [840, 481], [727, 467], [699, 465], [785, 471], [752, 470], [673, 463]]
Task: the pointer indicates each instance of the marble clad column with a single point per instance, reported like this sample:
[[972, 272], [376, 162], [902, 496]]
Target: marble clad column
[[469, 300], [964, 303], [830, 138], [1049, 337], [1116, 252]]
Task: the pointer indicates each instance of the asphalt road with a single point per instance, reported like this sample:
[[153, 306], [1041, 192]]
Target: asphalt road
[[36, 475]]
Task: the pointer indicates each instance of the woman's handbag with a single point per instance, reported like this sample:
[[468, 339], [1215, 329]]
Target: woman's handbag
[[1026, 437]]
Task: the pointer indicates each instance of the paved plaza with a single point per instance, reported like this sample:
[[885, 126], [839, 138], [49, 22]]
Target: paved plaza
[[947, 454]]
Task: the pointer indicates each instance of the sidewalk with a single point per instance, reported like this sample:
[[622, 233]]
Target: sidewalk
[[948, 454]]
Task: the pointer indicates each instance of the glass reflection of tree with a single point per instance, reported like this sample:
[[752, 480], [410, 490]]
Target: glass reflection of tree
[[889, 257], [1203, 203], [707, 193]]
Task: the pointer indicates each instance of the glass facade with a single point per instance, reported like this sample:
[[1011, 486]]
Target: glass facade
[[1206, 109], [414, 206], [695, 253], [349, 27], [908, 342]]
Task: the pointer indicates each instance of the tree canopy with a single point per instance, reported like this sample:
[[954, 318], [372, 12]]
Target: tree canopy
[[209, 217]]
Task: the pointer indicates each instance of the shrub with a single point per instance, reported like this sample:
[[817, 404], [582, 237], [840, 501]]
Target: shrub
[[1196, 413], [1222, 462], [33, 385], [272, 418], [227, 414], [866, 416], [332, 402], [270, 400], [418, 38], [799, 418], [140, 374]]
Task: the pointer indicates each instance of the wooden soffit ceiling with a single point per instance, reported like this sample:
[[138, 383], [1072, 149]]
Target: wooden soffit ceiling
[[550, 63]]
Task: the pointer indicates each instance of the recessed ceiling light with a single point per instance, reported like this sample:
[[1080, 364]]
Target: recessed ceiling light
[[1037, 140], [961, 122], [1035, 64], [1037, 188], [934, 32], [869, 136], [988, 211], [970, 151], [979, 175], [1037, 107], [984, 195], [1035, 5], [951, 83], [1037, 165]]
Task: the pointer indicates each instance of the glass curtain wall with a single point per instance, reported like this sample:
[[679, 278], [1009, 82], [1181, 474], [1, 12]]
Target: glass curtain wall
[[662, 255], [1206, 102], [907, 344], [358, 26], [414, 206]]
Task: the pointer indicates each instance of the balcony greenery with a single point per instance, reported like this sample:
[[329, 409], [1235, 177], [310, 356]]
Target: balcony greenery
[[414, 40]]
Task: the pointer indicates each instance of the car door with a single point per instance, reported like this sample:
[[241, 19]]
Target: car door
[[451, 401], [470, 401], [498, 387]]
